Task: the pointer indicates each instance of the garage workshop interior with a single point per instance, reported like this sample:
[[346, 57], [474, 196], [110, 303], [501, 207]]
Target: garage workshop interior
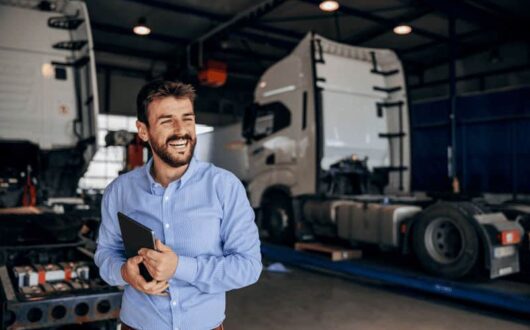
[[382, 148]]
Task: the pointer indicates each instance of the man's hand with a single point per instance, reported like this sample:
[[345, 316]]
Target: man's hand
[[161, 264], [131, 274]]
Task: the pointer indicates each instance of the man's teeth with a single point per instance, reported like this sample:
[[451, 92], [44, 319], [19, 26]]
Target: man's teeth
[[180, 143]]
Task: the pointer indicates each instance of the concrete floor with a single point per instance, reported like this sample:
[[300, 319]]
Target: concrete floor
[[309, 300]]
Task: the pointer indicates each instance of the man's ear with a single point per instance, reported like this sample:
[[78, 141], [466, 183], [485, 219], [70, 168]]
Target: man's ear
[[142, 131]]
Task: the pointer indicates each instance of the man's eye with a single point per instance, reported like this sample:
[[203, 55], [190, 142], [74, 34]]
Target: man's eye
[[165, 122]]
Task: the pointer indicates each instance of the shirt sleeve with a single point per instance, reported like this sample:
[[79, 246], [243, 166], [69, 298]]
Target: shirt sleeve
[[240, 264], [110, 254]]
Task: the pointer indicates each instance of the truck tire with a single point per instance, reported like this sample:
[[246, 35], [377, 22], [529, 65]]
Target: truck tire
[[445, 240], [278, 219]]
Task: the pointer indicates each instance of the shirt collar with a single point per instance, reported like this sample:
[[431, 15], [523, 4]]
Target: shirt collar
[[183, 179]]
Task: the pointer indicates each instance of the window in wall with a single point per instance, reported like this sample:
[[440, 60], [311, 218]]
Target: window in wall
[[107, 161]]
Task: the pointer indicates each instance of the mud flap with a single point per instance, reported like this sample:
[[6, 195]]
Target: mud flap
[[499, 259]]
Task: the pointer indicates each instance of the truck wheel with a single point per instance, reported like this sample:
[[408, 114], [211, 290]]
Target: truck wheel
[[278, 220], [445, 241]]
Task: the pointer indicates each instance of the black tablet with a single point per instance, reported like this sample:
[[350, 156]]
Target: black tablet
[[136, 236]]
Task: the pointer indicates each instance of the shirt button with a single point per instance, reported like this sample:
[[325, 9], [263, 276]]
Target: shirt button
[[174, 303], [167, 225], [166, 198]]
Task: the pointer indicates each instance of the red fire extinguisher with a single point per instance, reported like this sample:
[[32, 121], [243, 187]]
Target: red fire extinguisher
[[29, 197]]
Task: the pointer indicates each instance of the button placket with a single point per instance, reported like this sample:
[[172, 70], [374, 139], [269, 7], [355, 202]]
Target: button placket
[[174, 305], [167, 214]]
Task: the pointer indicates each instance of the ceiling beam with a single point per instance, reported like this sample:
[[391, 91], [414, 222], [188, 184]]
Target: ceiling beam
[[102, 67], [171, 56], [127, 51], [298, 18], [164, 5], [461, 37], [110, 28], [511, 25], [378, 31], [177, 41], [273, 32], [386, 22], [246, 17], [462, 53]]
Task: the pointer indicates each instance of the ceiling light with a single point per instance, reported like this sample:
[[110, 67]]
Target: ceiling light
[[141, 28], [329, 5], [402, 29]]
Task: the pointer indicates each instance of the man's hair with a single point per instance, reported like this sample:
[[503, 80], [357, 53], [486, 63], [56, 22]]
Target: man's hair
[[157, 89]]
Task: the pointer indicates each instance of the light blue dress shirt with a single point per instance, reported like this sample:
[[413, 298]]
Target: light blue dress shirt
[[206, 219]]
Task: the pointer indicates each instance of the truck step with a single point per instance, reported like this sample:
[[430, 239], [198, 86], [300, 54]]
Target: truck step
[[388, 90], [389, 104], [65, 22], [385, 73], [391, 135], [334, 252], [70, 45], [381, 105]]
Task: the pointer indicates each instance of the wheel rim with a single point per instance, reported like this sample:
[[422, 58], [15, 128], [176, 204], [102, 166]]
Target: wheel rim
[[444, 240]]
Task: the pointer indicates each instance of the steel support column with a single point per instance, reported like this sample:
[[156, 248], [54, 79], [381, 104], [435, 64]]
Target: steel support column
[[452, 104]]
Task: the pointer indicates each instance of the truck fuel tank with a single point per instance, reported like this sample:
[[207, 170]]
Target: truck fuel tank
[[373, 222]]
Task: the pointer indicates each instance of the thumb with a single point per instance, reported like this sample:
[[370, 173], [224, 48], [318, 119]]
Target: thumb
[[161, 247], [137, 259]]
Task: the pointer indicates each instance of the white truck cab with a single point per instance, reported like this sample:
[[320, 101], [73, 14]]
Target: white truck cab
[[323, 103], [328, 143]]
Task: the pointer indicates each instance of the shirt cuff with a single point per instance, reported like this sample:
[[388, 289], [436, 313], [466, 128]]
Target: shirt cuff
[[186, 269], [116, 271]]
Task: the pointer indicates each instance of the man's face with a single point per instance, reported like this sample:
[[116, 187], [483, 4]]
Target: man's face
[[171, 130]]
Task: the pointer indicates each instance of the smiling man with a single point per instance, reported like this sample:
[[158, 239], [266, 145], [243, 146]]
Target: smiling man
[[207, 241]]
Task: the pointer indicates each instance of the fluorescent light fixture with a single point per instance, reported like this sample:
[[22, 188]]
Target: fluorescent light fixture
[[329, 5], [141, 28], [402, 29]]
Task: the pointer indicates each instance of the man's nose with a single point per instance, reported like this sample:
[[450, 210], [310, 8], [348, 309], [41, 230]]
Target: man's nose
[[178, 126]]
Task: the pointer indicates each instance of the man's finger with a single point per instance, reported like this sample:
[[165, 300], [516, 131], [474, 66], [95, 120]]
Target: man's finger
[[160, 286], [152, 263], [136, 259], [150, 254], [154, 287], [142, 284], [147, 286], [161, 247], [151, 268]]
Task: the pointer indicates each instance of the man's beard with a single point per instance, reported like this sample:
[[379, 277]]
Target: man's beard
[[163, 152]]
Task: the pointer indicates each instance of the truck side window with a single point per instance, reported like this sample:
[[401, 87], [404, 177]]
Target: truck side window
[[270, 118]]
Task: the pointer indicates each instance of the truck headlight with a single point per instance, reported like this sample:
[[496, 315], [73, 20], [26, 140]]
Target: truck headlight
[[503, 251]]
